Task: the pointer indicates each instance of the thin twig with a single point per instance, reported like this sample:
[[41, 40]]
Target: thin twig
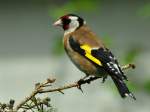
[[125, 67], [40, 86]]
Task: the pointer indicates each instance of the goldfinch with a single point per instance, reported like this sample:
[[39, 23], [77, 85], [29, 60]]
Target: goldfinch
[[89, 54]]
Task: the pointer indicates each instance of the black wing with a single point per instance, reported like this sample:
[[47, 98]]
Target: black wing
[[109, 62]]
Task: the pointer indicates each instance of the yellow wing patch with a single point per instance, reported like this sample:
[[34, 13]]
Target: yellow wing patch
[[88, 49]]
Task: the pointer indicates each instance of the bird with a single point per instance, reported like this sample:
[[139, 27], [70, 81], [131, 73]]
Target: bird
[[89, 54]]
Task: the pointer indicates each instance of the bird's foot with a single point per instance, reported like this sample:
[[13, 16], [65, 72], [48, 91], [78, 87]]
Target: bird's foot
[[104, 79], [80, 82], [86, 79]]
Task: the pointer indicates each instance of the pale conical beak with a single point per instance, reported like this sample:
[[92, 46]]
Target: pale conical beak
[[58, 23]]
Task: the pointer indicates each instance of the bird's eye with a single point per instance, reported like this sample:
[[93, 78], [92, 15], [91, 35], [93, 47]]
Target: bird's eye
[[66, 22]]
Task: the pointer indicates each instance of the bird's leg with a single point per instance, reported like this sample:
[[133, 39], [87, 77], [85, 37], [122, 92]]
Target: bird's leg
[[90, 78], [104, 78], [83, 79]]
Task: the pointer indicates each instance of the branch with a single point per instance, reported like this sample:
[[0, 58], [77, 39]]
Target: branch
[[76, 84], [42, 88], [125, 67]]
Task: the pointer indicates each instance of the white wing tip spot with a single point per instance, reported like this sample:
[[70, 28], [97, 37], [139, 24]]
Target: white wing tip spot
[[126, 94]]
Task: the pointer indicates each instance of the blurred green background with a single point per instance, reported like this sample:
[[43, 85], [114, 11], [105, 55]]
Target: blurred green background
[[31, 50]]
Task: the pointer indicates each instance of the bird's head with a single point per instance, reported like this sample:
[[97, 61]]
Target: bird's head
[[70, 22]]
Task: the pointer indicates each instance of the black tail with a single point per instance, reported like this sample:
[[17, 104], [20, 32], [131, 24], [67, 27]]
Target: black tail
[[122, 88]]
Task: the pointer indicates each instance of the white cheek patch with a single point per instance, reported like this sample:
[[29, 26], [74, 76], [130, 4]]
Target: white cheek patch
[[74, 24], [73, 18]]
